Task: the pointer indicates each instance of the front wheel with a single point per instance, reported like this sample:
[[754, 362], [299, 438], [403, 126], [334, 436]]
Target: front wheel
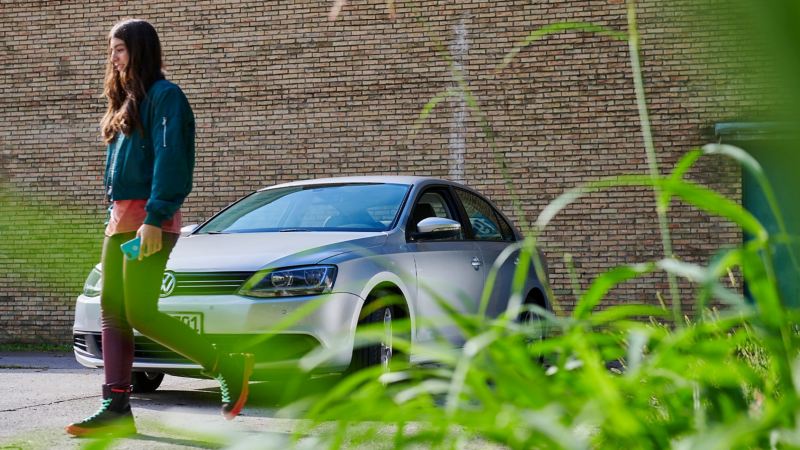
[[144, 382], [383, 352]]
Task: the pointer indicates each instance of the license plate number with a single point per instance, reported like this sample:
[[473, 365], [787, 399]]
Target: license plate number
[[192, 320]]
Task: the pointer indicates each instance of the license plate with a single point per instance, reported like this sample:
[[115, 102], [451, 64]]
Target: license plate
[[192, 320]]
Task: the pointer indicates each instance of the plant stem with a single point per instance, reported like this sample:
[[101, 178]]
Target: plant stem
[[652, 160], [488, 132]]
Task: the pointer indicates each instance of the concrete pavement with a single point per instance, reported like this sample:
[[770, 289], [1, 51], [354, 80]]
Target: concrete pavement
[[40, 393]]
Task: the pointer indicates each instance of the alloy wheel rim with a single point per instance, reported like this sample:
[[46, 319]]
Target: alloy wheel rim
[[386, 342], [530, 320]]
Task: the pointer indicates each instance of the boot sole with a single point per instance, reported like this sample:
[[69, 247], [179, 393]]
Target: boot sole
[[111, 430], [239, 405]]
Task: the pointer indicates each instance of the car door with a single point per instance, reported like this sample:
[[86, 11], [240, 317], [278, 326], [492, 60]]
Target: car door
[[492, 234], [448, 269]]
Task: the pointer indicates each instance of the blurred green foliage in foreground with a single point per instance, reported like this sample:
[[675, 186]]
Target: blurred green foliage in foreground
[[726, 379]]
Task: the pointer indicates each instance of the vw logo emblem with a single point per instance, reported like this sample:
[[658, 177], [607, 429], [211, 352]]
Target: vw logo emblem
[[167, 284]]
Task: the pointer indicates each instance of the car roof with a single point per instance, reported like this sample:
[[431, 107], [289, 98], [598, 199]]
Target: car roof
[[391, 179]]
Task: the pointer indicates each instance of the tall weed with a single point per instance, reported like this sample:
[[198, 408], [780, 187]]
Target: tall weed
[[727, 378], [603, 379]]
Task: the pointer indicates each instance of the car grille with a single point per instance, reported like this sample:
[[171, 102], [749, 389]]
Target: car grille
[[205, 283], [79, 342], [144, 348], [272, 348]]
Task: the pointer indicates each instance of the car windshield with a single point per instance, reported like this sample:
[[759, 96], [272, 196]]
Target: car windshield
[[339, 207]]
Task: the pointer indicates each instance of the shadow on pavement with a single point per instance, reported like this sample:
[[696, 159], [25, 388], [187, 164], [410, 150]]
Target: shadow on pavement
[[263, 394], [174, 441], [163, 399], [281, 393]]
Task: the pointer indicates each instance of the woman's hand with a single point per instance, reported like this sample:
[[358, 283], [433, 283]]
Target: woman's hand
[[151, 240]]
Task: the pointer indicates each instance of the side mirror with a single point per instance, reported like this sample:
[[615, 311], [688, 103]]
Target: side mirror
[[437, 228], [185, 230]]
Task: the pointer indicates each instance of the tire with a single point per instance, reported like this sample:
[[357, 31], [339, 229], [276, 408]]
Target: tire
[[382, 353], [531, 319], [144, 382]]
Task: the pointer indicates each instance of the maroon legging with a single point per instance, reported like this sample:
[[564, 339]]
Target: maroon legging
[[129, 299]]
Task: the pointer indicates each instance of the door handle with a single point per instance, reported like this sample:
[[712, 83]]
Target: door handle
[[476, 263]]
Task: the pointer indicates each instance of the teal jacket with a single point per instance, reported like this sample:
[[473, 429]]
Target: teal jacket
[[155, 164]]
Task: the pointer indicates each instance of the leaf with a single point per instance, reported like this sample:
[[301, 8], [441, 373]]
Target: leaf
[[744, 158], [604, 283], [559, 203], [637, 340], [619, 312], [428, 387], [550, 423], [686, 163], [426, 110], [336, 9], [691, 272], [554, 28], [715, 203], [491, 278], [752, 165], [699, 196], [458, 381]]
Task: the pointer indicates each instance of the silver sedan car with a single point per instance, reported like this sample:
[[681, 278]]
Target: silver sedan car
[[292, 270]]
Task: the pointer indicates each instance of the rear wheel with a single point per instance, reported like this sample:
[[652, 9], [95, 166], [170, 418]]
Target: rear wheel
[[144, 382], [534, 326], [533, 321]]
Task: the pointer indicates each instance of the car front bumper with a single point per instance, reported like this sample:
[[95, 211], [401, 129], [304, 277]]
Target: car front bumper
[[279, 331]]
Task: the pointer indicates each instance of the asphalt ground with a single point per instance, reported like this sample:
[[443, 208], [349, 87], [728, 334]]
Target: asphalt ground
[[40, 393]]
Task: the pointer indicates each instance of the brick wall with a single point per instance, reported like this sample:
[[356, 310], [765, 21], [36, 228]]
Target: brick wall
[[280, 93]]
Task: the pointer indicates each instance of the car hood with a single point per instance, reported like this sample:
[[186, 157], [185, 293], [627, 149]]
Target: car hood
[[240, 252]]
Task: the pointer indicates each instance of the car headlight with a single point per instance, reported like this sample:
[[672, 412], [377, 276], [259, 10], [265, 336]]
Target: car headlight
[[295, 281], [93, 284]]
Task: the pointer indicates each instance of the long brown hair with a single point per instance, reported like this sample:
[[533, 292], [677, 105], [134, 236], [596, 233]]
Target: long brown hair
[[125, 90]]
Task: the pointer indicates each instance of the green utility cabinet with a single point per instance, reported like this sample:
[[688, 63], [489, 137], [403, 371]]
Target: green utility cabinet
[[776, 149]]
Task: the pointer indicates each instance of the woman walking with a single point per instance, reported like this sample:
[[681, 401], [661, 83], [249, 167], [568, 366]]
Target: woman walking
[[149, 128]]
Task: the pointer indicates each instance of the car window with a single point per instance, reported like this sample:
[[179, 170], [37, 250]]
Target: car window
[[432, 204], [487, 224], [343, 207]]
